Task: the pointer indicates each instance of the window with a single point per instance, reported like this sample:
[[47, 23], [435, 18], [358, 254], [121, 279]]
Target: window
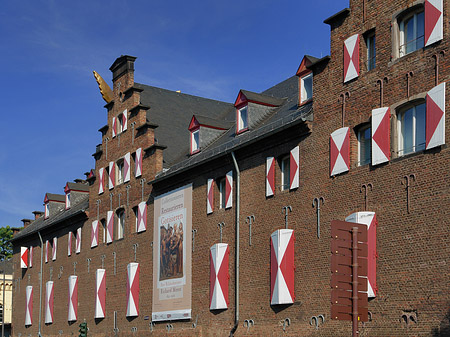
[[46, 211], [103, 222], [285, 173], [222, 193], [195, 141], [136, 216], [411, 28], [307, 87], [411, 129], [364, 145], [371, 51], [242, 119], [67, 200], [120, 126], [120, 171], [120, 223]]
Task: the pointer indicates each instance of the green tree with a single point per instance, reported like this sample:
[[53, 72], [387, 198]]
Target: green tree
[[6, 234]]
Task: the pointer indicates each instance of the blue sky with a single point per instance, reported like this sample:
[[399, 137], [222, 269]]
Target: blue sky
[[51, 106]]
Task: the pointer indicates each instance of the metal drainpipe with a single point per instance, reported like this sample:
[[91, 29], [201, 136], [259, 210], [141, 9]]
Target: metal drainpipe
[[40, 285], [236, 273]]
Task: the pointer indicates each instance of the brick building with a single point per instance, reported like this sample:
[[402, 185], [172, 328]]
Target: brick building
[[202, 217]]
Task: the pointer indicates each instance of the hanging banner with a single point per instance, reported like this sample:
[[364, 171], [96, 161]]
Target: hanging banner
[[172, 255]]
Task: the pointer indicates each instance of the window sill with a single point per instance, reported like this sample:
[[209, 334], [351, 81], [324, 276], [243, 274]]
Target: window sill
[[238, 132], [406, 56]]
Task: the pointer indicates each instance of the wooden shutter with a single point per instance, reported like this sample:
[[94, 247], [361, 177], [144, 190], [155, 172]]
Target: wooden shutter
[[47, 244], [219, 276], [210, 196], [270, 176], [112, 175], [54, 248], [49, 302], [126, 167], [101, 180], [133, 289], [435, 116], [351, 58], [23, 257], [294, 168], [69, 244], [29, 306], [114, 125], [73, 298], [30, 255], [434, 28], [109, 226], [339, 151], [381, 136], [124, 120], [142, 217], [78, 241], [100, 293], [94, 234], [138, 163], [229, 189]]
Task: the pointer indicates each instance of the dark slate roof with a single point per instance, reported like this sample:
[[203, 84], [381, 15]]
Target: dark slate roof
[[56, 197], [41, 223], [261, 98], [207, 121], [78, 187], [287, 115], [172, 111]]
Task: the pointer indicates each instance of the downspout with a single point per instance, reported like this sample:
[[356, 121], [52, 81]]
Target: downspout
[[40, 285], [236, 272]]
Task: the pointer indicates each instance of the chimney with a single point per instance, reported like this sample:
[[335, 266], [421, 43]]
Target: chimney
[[15, 230], [123, 66], [26, 222], [37, 214]]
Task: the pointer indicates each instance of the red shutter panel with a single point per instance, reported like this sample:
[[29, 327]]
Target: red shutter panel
[[30, 255], [49, 302], [435, 116], [78, 241], [434, 28], [55, 245], [69, 244], [114, 125], [23, 257], [339, 151], [294, 168], [270, 176], [142, 217], [109, 226], [351, 58], [112, 174], [229, 190], [133, 289], [219, 276], [47, 244], [73, 298], [100, 293], [210, 196], [126, 167], [101, 180], [29, 306], [124, 120], [138, 163], [381, 136], [94, 234]]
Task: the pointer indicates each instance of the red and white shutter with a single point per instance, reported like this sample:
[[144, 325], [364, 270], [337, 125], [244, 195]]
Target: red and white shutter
[[282, 267], [351, 58], [142, 217], [101, 180], [114, 126], [47, 244], [69, 244], [339, 151], [29, 305], [112, 174], [94, 234], [219, 276], [270, 176], [100, 293], [370, 220], [294, 167], [229, 189], [124, 120], [23, 257], [49, 302], [133, 289], [138, 163], [435, 116], [210, 197], [434, 27], [109, 226], [381, 135], [126, 167], [54, 249], [30, 257], [78, 241], [73, 298]]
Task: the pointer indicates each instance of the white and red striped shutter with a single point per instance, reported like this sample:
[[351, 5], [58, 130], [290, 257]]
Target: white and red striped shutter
[[339, 151], [69, 244], [23, 257], [434, 23], [282, 267], [351, 58], [100, 293], [133, 289], [112, 174], [219, 276], [29, 305], [370, 220], [435, 116], [54, 248], [114, 126], [270, 176], [381, 135], [49, 302], [94, 234], [101, 180], [138, 163], [142, 217], [126, 167], [124, 120], [109, 226], [30, 256], [210, 196], [73, 298], [47, 244], [294, 167], [229, 189], [78, 241]]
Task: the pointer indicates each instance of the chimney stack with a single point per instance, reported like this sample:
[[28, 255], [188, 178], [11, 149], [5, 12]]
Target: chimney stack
[[26, 222], [37, 214]]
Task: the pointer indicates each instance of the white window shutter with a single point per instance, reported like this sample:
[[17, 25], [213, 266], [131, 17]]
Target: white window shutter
[[124, 120], [54, 249], [229, 189], [114, 125], [109, 226], [126, 167], [381, 135], [142, 217], [294, 167], [23, 257], [435, 117], [270, 176], [30, 255], [101, 180], [138, 163], [133, 271], [47, 244], [94, 234], [210, 196], [112, 174], [351, 58], [78, 241], [339, 151], [434, 21]]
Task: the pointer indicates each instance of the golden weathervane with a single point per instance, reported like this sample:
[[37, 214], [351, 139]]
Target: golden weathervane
[[105, 89]]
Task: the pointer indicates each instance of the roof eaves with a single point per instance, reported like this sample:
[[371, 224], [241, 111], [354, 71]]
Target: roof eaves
[[319, 61], [332, 18]]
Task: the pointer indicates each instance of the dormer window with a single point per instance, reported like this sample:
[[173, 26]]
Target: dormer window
[[242, 117], [212, 129], [195, 141], [306, 87], [46, 211], [305, 80], [67, 200]]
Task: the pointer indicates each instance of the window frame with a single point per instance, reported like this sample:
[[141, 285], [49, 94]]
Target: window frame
[[400, 113], [195, 140], [303, 86], [360, 130], [285, 168], [103, 225], [68, 200], [120, 213], [120, 174], [371, 46], [241, 124], [399, 21], [222, 186]]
